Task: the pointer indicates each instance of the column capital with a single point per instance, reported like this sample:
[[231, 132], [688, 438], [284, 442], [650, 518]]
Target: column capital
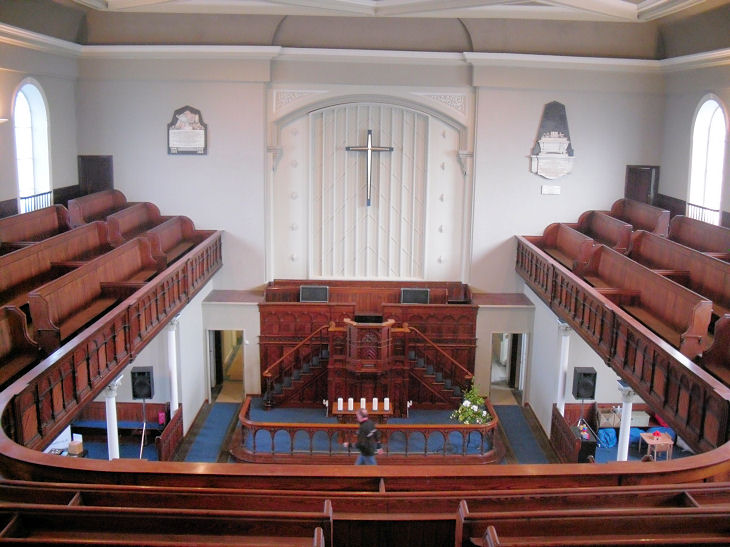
[[172, 325], [564, 328], [110, 391], [627, 392]]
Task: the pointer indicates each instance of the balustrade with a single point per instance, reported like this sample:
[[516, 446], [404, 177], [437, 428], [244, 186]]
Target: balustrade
[[79, 370], [695, 404]]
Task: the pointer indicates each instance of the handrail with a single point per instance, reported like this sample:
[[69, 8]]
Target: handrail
[[336, 432], [454, 363], [267, 373]]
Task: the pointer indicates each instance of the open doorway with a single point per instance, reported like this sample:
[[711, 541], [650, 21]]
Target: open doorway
[[508, 367], [226, 365]]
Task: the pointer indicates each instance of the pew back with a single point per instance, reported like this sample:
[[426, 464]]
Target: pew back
[[703, 274], [699, 235], [63, 305], [641, 216], [30, 267], [664, 303], [133, 221], [605, 229], [96, 206], [27, 228], [565, 244], [17, 350], [174, 237]]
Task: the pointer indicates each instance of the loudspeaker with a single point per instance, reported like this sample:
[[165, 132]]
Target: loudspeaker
[[584, 382], [143, 386]]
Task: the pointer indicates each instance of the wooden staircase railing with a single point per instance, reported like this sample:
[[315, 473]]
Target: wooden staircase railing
[[313, 347]]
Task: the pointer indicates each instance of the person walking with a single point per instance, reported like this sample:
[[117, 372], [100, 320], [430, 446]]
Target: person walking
[[368, 439]]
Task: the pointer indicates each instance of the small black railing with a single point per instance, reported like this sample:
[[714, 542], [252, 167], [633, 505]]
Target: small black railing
[[37, 201]]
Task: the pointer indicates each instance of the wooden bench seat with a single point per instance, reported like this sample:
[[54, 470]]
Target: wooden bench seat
[[641, 216], [674, 312], [565, 244], [605, 229], [689, 267], [64, 305], [704, 237], [18, 351], [96, 206], [175, 237], [133, 221], [22, 230], [29, 268]]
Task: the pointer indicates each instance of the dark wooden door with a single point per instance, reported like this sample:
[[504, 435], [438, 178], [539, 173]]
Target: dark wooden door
[[96, 173], [642, 182]]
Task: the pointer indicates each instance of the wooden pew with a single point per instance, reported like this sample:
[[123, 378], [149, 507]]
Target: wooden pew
[[716, 359], [133, 221], [641, 216], [708, 238], [565, 244], [96, 206], [17, 351], [31, 267], [19, 231], [77, 524], [65, 305], [675, 313], [631, 525], [605, 229], [174, 237], [695, 270]]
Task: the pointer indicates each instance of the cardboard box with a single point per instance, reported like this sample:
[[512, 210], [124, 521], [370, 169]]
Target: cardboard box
[[639, 418], [608, 418]]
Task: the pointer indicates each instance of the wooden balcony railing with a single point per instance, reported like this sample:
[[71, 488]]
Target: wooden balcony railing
[[44, 401], [694, 403], [257, 441]]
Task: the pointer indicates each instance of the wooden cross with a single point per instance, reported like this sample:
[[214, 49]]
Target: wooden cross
[[369, 149]]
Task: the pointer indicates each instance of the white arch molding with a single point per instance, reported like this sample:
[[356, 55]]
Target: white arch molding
[[419, 224]]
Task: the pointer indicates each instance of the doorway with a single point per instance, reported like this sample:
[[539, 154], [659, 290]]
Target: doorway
[[508, 367], [226, 365]]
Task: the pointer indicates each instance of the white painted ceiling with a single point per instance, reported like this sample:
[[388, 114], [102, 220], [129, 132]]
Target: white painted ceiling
[[591, 10]]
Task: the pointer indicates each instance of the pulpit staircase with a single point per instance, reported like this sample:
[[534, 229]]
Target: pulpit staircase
[[299, 377]]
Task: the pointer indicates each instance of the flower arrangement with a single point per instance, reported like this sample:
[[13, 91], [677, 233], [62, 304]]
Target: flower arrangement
[[472, 410]]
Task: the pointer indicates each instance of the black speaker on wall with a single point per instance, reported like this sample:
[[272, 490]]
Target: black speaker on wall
[[143, 386], [584, 383]]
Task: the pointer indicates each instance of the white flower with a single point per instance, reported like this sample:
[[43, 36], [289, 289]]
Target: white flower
[[474, 407], [465, 403], [484, 412]]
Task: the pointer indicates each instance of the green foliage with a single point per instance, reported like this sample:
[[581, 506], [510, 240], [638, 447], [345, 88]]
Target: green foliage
[[472, 409]]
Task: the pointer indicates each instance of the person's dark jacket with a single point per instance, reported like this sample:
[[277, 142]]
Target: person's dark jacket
[[368, 438]]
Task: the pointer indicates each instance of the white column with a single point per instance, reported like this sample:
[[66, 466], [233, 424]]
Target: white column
[[172, 362], [563, 373], [627, 394], [112, 431]]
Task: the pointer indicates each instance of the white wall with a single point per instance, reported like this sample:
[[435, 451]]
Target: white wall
[[124, 109], [684, 92], [614, 119], [56, 75]]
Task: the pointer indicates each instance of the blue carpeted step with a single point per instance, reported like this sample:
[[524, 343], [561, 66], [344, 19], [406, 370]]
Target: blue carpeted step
[[305, 367], [421, 362], [429, 369], [315, 361], [296, 374], [287, 381], [457, 391], [325, 353], [447, 383], [277, 388], [439, 377], [411, 355]]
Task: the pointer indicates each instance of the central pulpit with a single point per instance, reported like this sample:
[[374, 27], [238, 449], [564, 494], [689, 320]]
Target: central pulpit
[[410, 342]]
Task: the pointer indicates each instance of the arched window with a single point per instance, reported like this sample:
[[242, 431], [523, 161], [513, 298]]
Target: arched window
[[30, 119], [708, 159]]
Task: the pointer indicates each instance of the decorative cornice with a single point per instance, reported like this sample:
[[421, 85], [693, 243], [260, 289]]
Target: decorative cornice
[[40, 42], [32, 40], [255, 53], [455, 101], [285, 97]]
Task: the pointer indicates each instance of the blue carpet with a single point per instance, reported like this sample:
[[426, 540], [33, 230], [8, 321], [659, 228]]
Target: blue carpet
[[100, 451], [207, 445], [520, 437]]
